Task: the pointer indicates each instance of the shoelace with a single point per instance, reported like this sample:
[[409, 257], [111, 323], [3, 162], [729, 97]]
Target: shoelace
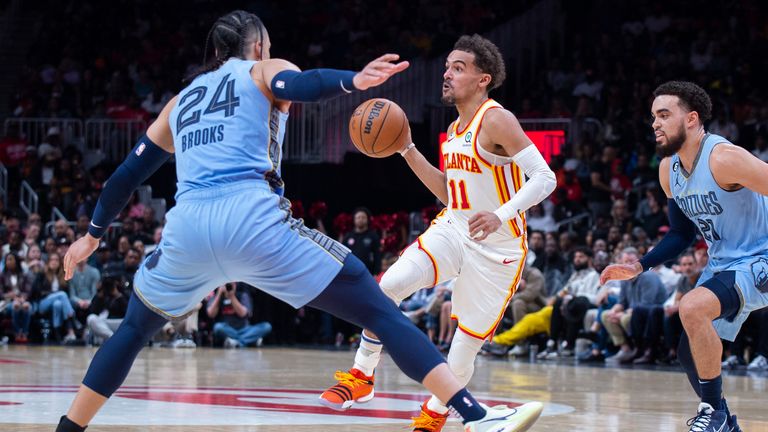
[[347, 379], [425, 421], [700, 422]]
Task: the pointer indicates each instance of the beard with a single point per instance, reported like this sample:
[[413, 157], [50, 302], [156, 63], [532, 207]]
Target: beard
[[674, 143], [580, 266], [448, 100]]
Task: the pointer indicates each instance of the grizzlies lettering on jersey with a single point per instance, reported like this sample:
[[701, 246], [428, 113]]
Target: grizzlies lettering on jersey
[[733, 223], [225, 130]]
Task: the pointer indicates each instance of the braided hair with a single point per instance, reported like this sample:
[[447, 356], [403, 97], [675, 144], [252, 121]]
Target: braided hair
[[230, 34]]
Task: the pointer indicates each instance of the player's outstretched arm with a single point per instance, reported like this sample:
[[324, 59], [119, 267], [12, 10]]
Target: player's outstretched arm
[[502, 128], [433, 178], [152, 150], [734, 167], [682, 232], [288, 83]]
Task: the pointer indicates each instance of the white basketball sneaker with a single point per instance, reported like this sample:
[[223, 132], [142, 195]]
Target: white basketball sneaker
[[504, 419]]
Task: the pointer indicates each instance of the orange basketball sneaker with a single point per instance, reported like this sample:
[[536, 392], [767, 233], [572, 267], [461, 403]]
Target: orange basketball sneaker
[[352, 387], [428, 420]]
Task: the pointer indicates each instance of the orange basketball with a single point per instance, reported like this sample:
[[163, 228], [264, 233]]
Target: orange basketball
[[378, 128]]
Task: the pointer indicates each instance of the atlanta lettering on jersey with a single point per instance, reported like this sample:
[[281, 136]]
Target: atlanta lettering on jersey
[[203, 136], [699, 204], [461, 161]]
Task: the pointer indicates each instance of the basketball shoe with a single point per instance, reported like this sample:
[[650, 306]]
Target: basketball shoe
[[504, 419], [352, 387], [709, 419], [428, 420]]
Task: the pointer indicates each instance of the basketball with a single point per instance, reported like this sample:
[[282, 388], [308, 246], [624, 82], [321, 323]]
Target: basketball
[[378, 128]]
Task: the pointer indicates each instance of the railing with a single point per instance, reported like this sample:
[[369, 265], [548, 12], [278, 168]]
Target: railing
[[319, 132], [56, 214], [115, 138], [4, 184], [573, 219], [28, 200], [36, 130]]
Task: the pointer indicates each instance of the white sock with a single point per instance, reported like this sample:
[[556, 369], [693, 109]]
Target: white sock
[[434, 404], [368, 354]]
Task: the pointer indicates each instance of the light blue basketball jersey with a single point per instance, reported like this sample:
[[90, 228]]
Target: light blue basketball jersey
[[231, 222], [734, 224], [225, 130]]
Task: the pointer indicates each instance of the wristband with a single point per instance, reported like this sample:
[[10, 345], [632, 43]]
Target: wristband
[[406, 149]]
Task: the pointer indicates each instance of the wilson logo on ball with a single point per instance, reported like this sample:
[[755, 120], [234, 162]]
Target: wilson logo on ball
[[375, 112]]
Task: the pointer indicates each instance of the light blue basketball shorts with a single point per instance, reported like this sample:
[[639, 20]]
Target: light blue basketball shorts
[[235, 233], [751, 283]]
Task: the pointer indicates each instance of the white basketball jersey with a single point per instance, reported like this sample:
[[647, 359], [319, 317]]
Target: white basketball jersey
[[478, 179]]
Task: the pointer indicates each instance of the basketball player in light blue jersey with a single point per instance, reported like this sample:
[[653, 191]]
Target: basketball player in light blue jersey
[[719, 190], [232, 223]]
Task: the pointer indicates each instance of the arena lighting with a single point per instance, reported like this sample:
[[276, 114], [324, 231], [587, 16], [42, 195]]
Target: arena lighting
[[549, 142]]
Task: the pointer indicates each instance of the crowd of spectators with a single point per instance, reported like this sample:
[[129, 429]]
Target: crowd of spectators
[[607, 172], [125, 59]]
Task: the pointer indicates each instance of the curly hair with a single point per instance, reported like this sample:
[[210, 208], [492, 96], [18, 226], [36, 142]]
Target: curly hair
[[692, 97], [488, 58]]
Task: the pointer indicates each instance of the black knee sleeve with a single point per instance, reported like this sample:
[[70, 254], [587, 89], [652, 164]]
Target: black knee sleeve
[[354, 296], [114, 359]]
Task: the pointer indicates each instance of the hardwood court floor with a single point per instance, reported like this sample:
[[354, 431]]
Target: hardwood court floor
[[274, 389]]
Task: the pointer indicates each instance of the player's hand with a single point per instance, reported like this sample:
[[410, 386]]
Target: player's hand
[[79, 251], [620, 272], [378, 71], [483, 223]]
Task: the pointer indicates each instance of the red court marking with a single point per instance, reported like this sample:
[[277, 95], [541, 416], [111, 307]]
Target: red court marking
[[12, 361]]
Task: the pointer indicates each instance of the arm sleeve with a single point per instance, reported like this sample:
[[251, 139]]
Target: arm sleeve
[[312, 85], [541, 182], [140, 163], [682, 232]]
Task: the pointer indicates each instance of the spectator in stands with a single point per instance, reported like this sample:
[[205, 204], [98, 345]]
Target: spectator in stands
[[156, 237], [33, 259], [83, 221], [673, 327], [535, 245], [620, 216], [552, 265], [529, 298], [15, 288], [50, 149], [128, 230], [654, 217], [571, 304], [231, 307], [82, 288], [135, 207], [530, 295], [125, 270], [599, 195], [149, 222], [761, 147], [15, 245], [101, 258], [138, 245], [13, 147], [363, 241], [123, 245], [539, 220], [32, 236], [107, 309], [49, 291], [644, 290], [447, 325]]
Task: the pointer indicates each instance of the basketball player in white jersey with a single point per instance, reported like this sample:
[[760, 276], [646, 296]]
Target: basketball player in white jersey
[[479, 239]]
